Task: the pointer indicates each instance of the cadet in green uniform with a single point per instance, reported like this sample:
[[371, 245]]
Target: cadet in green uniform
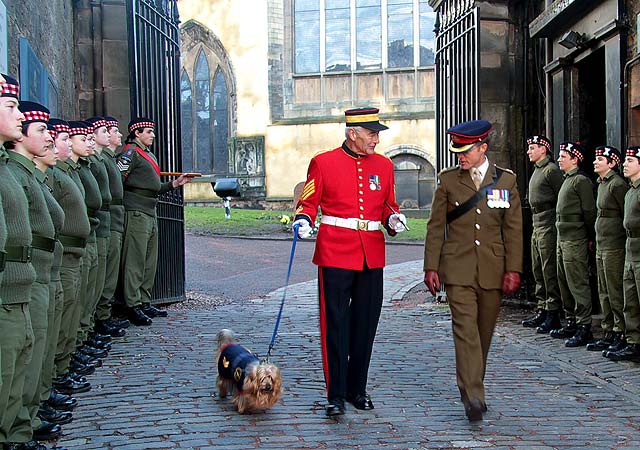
[[610, 242], [16, 338], [631, 277], [544, 186], [461, 248], [35, 141], [56, 299], [575, 219], [142, 185], [105, 324], [73, 236]]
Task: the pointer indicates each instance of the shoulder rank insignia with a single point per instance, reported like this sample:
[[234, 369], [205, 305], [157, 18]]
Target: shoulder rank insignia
[[124, 160], [504, 169]]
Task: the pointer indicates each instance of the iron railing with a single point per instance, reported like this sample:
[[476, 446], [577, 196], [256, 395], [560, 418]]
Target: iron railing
[[457, 62], [154, 43]]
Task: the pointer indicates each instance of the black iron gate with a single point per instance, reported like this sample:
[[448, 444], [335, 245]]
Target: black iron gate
[[154, 52], [457, 66]]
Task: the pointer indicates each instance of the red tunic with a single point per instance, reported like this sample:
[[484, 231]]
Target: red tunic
[[347, 186]]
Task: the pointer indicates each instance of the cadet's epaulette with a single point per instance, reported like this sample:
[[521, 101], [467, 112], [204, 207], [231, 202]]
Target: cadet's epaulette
[[449, 169], [504, 169], [322, 151]]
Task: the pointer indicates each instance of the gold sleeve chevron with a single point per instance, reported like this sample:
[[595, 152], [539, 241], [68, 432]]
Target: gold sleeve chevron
[[308, 190]]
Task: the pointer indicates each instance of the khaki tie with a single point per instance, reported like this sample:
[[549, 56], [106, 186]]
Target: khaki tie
[[476, 177]]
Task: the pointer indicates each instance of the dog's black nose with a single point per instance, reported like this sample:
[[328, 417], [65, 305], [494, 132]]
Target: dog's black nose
[[267, 388]]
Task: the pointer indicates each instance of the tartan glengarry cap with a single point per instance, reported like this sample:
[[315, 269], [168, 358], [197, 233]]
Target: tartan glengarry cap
[[611, 153], [77, 127], [364, 117], [540, 140], [61, 126], [111, 121], [139, 123], [10, 87], [34, 112], [97, 122], [633, 150], [574, 148], [467, 134], [52, 131]]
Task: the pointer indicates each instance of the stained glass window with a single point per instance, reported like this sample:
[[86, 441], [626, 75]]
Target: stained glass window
[[220, 123], [203, 116], [186, 122]]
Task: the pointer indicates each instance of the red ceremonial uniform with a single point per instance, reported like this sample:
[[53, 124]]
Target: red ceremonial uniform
[[346, 185]]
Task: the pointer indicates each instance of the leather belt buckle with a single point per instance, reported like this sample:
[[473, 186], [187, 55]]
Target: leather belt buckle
[[363, 225]]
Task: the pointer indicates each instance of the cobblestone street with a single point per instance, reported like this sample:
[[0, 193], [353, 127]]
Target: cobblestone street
[[156, 389]]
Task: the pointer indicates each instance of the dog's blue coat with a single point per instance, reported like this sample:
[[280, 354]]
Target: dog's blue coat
[[236, 358]]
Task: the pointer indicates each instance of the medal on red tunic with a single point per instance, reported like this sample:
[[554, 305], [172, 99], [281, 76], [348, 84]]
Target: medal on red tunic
[[374, 182]]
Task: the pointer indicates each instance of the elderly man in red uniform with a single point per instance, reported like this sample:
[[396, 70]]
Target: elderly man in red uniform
[[354, 187]]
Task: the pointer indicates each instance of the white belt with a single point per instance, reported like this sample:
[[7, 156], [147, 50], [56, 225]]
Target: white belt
[[352, 224]]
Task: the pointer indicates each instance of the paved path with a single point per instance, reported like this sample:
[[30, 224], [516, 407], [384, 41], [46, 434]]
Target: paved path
[[156, 390]]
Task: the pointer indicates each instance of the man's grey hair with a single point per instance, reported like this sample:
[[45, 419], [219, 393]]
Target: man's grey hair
[[346, 130]]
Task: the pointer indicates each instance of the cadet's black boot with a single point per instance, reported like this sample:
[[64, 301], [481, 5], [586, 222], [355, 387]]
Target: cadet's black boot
[[536, 320], [630, 353], [96, 343], [47, 431], [69, 386], [119, 323], [152, 311], [602, 344], [138, 317], [80, 368], [51, 415], [61, 402], [92, 351], [566, 331], [618, 344], [581, 338], [86, 360], [551, 322], [105, 328]]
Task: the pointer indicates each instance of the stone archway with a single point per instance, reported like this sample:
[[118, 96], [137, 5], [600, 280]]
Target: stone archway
[[415, 176]]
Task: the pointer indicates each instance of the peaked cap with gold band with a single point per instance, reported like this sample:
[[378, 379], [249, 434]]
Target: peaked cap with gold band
[[611, 153], [467, 134], [34, 112], [10, 87], [364, 117], [139, 123], [573, 148]]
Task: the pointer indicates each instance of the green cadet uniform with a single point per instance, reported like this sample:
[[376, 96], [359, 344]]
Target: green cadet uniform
[[575, 219], [544, 187], [631, 279]]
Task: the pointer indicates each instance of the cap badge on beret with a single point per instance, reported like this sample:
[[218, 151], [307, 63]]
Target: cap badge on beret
[[608, 152], [10, 88], [466, 134], [364, 117], [540, 140], [573, 148]]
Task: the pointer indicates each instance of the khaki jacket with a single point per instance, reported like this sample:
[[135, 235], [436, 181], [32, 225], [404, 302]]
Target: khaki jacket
[[482, 244]]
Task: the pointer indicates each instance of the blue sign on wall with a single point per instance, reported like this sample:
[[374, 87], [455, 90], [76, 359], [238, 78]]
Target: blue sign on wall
[[35, 83]]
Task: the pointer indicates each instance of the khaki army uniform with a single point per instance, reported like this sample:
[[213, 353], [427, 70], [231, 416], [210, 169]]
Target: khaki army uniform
[[631, 280], [575, 219], [43, 243], [610, 243], [142, 186], [544, 186], [471, 255], [16, 338]]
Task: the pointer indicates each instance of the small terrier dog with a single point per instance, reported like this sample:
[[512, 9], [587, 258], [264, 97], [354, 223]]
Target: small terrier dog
[[256, 386]]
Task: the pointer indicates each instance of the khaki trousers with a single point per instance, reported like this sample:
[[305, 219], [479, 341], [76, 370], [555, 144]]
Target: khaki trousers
[[139, 257], [71, 277], [573, 278], [103, 311], [543, 265], [610, 265], [631, 283]]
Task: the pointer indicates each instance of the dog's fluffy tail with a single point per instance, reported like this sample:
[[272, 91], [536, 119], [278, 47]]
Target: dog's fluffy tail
[[225, 336]]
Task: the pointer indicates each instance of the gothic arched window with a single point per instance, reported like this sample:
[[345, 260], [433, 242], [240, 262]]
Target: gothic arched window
[[186, 106], [220, 123], [203, 116]]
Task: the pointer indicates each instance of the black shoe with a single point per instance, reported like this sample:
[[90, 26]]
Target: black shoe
[[618, 344], [61, 402], [67, 385], [47, 431], [630, 353], [31, 445], [360, 401], [103, 327], [602, 344], [152, 311], [119, 323], [335, 407], [92, 351], [51, 415], [100, 337], [565, 332], [536, 320], [473, 410], [137, 317], [581, 338], [551, 322], [100, 345], [81, 369]]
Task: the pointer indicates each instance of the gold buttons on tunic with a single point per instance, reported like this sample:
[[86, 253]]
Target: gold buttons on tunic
[[362, 208]]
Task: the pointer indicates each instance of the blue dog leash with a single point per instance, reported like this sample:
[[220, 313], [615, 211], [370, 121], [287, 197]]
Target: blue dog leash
[[284, 294]]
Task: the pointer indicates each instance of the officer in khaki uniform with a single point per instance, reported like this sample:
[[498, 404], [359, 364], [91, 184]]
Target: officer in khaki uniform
[[142, 186], [575, 220], [544, 186], [474, 245], [610, 242], [631, 276]]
